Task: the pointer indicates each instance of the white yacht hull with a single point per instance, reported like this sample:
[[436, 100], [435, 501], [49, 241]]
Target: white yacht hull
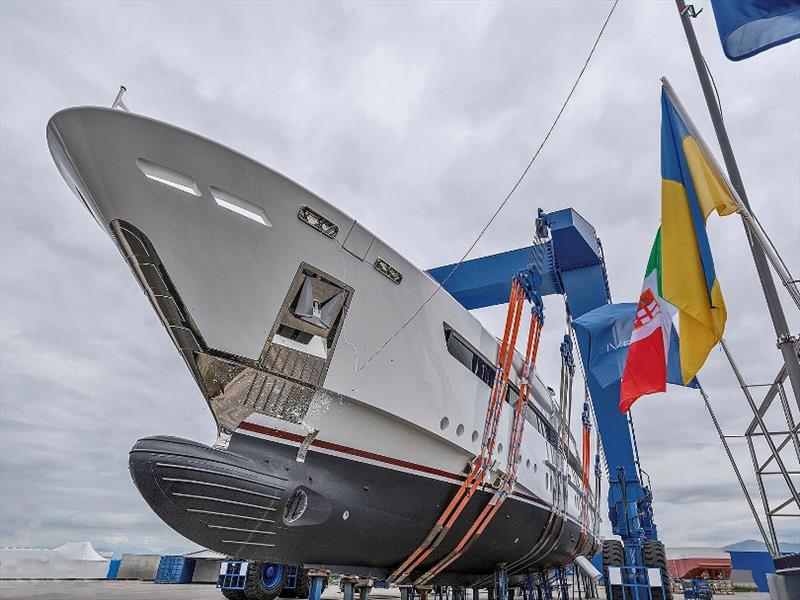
[[225, 249]]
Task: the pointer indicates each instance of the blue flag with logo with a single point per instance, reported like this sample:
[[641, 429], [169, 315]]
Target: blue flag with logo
[[747, 27], [608, 332]]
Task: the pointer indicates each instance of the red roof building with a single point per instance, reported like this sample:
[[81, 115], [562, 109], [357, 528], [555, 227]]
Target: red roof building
[[699, 568]]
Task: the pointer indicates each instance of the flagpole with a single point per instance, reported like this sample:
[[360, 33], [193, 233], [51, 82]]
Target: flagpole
[[785, 339]]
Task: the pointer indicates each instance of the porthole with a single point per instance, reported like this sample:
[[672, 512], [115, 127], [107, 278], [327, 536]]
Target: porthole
[[460, 430], [474, 437], [500, 448], [535, 467], [528, 463], [444, 423]]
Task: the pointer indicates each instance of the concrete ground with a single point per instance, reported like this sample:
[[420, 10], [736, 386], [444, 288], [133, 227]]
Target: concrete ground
[[133, 590], [145, 590]]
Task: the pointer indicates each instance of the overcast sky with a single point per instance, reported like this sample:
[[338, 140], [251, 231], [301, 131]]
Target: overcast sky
[[413, 118]]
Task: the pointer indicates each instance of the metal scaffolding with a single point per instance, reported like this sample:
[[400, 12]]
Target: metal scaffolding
[[777, 501]]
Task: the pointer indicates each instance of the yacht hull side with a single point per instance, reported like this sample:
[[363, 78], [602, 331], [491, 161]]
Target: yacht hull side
[[357, 517]]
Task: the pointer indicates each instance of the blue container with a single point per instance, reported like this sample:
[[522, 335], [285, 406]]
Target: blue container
[[758, 563], [175, 569], [113, 568]]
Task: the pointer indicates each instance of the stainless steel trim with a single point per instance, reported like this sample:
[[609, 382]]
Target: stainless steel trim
[[388, 271], [247, 543], [322, 224], [220, 486], [212, 499], [210, 472], [229, 515], [241, 529]]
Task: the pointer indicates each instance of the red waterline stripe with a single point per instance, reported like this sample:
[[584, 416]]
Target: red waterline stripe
[[348, 450], [294, 437]]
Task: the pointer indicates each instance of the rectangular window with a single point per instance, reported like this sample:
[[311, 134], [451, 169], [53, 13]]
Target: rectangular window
[[458, 347]]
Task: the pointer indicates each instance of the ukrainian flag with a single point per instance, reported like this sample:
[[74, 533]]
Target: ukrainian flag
[[692, 187]]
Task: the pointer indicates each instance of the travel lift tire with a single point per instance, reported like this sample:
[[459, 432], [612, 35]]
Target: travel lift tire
[[613, 556], [265, 581], [234, 594], [655, 557], [302, 585]]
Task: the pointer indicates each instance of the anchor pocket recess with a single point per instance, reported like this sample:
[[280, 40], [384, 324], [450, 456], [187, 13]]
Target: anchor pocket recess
[[305, 332]]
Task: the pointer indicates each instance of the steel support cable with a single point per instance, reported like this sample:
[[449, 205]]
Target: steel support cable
[[787, 276], [753, 225], [599, 446], [505, 200], [600, 449]]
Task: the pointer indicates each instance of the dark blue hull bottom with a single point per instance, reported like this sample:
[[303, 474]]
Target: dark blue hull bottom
[[348, 516]]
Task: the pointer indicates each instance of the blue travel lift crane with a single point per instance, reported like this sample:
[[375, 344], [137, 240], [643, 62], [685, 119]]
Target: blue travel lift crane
[[568, 260]]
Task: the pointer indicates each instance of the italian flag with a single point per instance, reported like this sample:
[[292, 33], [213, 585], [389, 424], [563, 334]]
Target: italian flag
[[646, 364]]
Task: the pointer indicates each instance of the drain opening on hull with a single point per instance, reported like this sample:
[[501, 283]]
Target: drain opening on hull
[[312, 218], [296, 506]]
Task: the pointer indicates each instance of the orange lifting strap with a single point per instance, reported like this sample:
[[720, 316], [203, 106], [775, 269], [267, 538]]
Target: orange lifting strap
[[483, 462], [586, 453], [510, 478]]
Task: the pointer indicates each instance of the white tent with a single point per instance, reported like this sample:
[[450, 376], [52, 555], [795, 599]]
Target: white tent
[[76, 560]]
